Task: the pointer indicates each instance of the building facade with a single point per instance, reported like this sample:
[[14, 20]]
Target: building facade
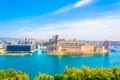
[[74, 47], [20, 48]]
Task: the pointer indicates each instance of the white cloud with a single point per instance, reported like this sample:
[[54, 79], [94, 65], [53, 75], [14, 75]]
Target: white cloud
[[82, 3], [90, 29], [63, 9], [71, 6]]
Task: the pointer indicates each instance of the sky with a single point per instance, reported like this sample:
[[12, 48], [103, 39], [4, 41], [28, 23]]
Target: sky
[[41, 19]]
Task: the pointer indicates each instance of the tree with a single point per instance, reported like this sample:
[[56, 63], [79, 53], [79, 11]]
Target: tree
[[2, 74], [116, 72], [10, 73], [44, 77]]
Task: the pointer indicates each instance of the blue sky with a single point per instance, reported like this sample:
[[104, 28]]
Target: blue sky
[[80, 19]]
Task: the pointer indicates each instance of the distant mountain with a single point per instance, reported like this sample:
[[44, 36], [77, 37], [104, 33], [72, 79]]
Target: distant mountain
[[7, 38]]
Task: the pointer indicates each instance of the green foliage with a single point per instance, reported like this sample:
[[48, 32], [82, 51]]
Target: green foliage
[[84, 74], [116, 72], [11, 74], [69, 74], [58, 77], [2, 74], [44, 77]]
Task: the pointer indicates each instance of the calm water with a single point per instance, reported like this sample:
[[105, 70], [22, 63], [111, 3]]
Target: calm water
[[41, 62]]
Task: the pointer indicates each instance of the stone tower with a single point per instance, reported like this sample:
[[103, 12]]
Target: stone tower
[[106, 45], [56, 40]]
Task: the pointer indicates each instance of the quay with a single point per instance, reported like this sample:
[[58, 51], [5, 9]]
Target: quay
[[15, 54]]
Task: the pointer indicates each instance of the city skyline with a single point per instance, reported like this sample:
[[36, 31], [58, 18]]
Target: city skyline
[[80, 19]]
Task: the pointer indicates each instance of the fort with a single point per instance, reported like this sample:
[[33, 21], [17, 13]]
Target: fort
[[66, 47]]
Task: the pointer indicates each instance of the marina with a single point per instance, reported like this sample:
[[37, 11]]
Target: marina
[[52, 64]]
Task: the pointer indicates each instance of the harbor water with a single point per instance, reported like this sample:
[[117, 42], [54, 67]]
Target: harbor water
[[40, 62]]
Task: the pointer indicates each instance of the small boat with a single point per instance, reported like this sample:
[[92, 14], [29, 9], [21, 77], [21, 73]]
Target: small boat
[[113, 50]]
